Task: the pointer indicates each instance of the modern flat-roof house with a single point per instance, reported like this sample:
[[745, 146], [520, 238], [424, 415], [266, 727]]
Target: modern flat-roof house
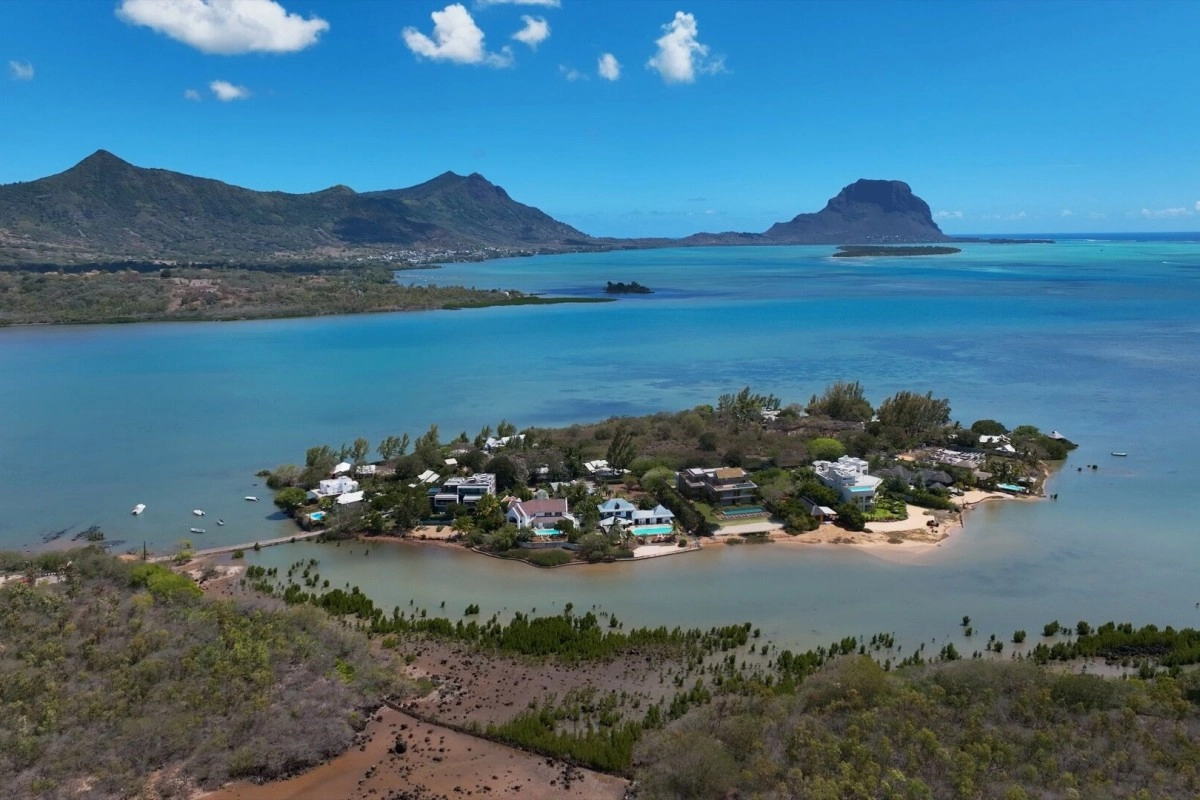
[[538, 514], [466, 491], [848, 476], [333, 487], [722, 486], [618, 508]]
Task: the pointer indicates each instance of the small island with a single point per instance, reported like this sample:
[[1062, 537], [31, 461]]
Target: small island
[[745, 470], [633, 287], [867, 250]]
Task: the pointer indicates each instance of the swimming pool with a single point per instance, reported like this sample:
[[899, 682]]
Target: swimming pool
[[651, 530], [317, 516]]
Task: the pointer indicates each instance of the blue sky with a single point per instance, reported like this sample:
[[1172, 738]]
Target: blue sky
[[1004, 116]]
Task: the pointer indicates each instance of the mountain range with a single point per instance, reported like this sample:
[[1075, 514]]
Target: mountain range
[[105, 209]]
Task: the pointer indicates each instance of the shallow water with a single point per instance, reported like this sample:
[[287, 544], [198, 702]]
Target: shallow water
[[1100, 340]]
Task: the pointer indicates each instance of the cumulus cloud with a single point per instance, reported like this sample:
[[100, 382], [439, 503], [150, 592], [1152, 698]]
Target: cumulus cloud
[[1167, 213], [20, 70], [226, 91], [608, 67], [570, 73], [1097, 215], [226, 27], [1066, 212], [1198, 205], [949, 215], [191, 94], [543, 3], [680, 55], [456, 38], [536, 31]]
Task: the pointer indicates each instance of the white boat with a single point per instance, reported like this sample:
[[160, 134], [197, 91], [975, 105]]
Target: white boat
[[220, 522], [197, 530], [139, 508], [197, 512], [252, 498], [1120, 455]]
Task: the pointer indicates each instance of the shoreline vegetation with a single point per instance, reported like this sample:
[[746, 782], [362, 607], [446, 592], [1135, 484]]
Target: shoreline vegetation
[[127, 675], [746, 470], [160, 291], [220, 294]]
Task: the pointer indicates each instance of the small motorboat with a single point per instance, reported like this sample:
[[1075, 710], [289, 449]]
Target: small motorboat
[[252, 498], [220, 522], [197, 512], [197, 530], [1119, 455], [139, 508]]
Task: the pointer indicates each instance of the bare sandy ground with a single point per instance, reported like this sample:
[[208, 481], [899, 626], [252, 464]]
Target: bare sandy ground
[[437, 764]]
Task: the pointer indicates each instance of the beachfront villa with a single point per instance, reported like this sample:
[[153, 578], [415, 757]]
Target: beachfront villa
[[722, 486], [848, 477], [465, 491], [333, 487], [618, 508], [540, 514]]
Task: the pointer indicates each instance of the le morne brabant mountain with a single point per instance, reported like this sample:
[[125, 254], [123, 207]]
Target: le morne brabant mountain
[[106, 210]]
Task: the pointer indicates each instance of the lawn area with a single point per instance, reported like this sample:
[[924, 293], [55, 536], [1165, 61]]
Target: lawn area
[[887, 509]]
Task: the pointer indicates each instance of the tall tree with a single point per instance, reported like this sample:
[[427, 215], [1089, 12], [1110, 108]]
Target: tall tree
[[842, 400], [360, 449], [915, 414], [622, 449]]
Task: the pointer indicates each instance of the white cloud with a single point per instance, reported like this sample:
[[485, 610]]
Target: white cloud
[[1018, 215], [226, 27], [1097, 215], [1198, 205], [20, 70], [571, 74], [543, 3], [536, 31], [1167, 213], [608, 67], [1066, 212], [680, 56], [456, 38], [949, 215], [226, 91], [191, 94]]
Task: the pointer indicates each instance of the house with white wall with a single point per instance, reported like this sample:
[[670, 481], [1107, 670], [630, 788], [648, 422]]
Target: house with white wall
[[848, 477]]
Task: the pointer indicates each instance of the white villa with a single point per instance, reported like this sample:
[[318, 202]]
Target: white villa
[[848, 476], [466, 491], [341, 468], [349, 497], [333, 487], [618, 508], [537, 514]]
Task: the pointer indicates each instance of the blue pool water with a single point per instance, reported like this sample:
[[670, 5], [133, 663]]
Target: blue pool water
[[652, 530]]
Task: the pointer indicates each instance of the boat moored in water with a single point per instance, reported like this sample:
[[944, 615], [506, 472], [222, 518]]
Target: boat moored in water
[[197, 512], [197, 530], [139, 508], [252, 498], [1119, 455]]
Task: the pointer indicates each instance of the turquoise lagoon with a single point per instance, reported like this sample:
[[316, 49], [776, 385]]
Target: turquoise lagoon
[[1098, 339]]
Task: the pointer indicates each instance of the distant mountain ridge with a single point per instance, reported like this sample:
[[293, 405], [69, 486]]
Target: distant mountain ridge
[[105, 209], [865, 212]]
